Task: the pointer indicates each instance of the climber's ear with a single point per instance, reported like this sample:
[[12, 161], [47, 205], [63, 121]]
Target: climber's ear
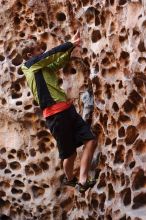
[[29, 55]]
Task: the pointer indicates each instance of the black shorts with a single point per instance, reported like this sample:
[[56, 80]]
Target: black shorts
[[69, 130]]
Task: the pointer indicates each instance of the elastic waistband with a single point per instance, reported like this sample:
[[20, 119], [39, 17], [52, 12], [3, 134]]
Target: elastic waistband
[[56, 108]]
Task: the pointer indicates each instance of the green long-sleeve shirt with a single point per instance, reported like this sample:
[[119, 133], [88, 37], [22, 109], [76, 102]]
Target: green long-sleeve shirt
[[40, 72]]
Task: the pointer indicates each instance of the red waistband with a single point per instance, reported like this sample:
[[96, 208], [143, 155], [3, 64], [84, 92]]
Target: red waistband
[[58, 107]]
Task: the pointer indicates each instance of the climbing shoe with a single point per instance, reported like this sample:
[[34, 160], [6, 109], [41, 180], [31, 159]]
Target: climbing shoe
[[83, 187], [72, 182]]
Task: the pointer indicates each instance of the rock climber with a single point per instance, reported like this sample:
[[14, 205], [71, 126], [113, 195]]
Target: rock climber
[[65, 124]]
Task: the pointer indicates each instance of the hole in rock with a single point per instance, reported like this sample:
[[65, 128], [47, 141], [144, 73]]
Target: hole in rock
[[102, 201], [126, 196], [139, 200], [7, 171], [26, 196], [85, 2], [96, 35], [2, 58], [16, 95], [103, 119], [28, 94], [129, 106], [114, 142], [40, 20], [105, 61], [108, 90], [124, 55], [108, 217], [28, 170], [90, 14], [111, 192], [129, 158], [44, 165], [42, 148], [16, 19], [22, 34], [112, 27], [141, 60], [141, 46], [73, 70], [2, 194], [27, 107], [123, 118], [2, 150], [123, 218], [45, 36], [36, 168], [17, 60], [68, 201], [28, 20], [58, 192], [15, 165], [97, 67], [45, 185], [46, 159], [94, 203], [5, 217], [37, 191], [108, 141], [132, 164], [139, 180], [42, 133], [135, 97], [121, 132], [20, 72], [51, 25], [4, 101], [140, 146], [3, 163], [32, 152], [10, 156], [16, 86], [60, 16], [112, 2], [18, 183], [119, 155], [16, 191], [43, 123], [43, 46], [21, 155], [85, 50], [13, 151], [115, 107], [122, 179], [19, 103], [122, 38], [35, 103], [97, 19], [102, 182], [122, 2], [131, 134]]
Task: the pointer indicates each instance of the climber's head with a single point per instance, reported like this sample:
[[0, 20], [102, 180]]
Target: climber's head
[[29, 48]]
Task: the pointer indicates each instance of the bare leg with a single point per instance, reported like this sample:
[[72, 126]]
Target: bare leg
[[86, 160], [68, 165]]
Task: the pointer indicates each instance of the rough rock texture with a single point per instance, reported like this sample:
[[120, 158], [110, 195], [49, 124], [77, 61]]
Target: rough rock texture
[[110, 69]]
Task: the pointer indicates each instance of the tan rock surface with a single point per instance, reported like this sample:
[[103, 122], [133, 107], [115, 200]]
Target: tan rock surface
[[107, 79]]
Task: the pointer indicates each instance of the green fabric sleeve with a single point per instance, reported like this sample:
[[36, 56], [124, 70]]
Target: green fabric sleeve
[[55, 60], [60, 62]]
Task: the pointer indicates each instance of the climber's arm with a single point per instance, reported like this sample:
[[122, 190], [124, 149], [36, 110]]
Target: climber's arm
[[43, 60]]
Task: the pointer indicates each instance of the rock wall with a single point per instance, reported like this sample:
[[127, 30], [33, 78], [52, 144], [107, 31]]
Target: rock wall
[[107, 79]]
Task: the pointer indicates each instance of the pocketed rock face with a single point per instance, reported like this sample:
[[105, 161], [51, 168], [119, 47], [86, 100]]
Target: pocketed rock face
[[107, 79]]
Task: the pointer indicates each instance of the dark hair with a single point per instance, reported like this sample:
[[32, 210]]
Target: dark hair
[[26, 46]]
